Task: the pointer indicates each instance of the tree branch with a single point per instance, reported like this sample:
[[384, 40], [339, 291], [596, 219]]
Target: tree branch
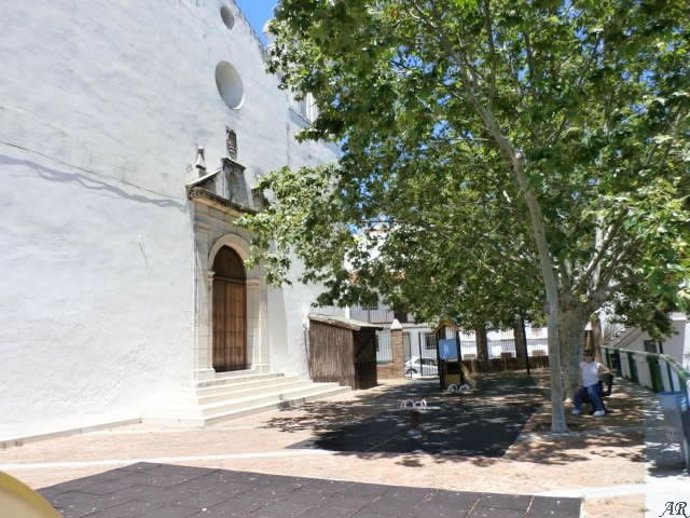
[[601, 250], [492, 51]]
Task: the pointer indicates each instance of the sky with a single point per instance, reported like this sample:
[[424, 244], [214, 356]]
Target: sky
[[258, 13]]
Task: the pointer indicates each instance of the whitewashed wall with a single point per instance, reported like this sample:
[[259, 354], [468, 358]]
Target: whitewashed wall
[[677, 346], [94, 309], [102, 105]]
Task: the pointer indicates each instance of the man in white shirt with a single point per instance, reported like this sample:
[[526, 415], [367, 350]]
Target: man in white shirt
[[590, 390]]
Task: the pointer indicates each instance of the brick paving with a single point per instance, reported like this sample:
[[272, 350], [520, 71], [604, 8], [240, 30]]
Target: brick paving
[[171, 491]]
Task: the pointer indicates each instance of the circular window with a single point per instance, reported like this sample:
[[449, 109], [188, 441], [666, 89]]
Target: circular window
[[229, 85], [228, 18]]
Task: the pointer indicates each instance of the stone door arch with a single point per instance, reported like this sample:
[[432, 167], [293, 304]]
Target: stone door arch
[[229, 311]]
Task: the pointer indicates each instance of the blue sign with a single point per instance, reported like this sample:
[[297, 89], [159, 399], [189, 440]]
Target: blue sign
[[448, 349]]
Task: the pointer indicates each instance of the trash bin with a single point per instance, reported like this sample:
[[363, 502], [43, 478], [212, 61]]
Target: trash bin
[[677, 421]]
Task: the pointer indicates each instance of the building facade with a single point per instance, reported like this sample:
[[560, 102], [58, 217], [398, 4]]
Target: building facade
[[132, 136], [677, 345]]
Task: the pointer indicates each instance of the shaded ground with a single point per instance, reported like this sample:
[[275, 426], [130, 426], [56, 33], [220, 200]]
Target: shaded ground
[[469, 425], [508, 416]]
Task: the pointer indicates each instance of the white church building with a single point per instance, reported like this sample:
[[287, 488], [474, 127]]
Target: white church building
[[132, 135]]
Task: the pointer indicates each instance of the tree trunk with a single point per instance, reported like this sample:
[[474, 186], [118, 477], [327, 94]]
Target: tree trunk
[[549, 276], [572, 335], [520, 339], [596, 336], [548, 271], [400, 313], [482, 344], [558, 423]]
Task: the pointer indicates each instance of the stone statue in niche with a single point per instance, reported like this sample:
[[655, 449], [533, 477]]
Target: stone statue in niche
[[231, 142], [235, 187]]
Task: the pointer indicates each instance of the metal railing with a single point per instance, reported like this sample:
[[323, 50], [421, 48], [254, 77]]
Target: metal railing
[[659, 372], [667, 378]]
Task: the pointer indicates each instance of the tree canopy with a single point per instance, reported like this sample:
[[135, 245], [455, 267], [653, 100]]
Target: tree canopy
[[496, 156]]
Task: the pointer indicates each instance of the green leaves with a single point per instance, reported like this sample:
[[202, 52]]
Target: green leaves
[[430, 100], [493, 152]]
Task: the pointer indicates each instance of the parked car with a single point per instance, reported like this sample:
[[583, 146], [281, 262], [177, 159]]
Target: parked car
[[417, 367]]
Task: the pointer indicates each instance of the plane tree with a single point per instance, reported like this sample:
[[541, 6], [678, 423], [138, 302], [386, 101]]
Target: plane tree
[[565, 121]]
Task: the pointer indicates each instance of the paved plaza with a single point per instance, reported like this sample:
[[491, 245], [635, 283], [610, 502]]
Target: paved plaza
[[486, 454], [169, 491], [448, 424]]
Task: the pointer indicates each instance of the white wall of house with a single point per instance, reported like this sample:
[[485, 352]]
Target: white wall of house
[[677, 346], [102, 106], [417, 341]]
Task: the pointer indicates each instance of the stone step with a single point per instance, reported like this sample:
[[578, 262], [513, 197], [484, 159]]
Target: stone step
[[268, 396], [227, 378], [237, 390], [292, 401], [237, 394]]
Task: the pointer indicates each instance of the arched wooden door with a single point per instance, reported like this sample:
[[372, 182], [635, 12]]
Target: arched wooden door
[[229, 312]]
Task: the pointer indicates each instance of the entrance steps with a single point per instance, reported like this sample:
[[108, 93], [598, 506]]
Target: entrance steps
[[237, 394]]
